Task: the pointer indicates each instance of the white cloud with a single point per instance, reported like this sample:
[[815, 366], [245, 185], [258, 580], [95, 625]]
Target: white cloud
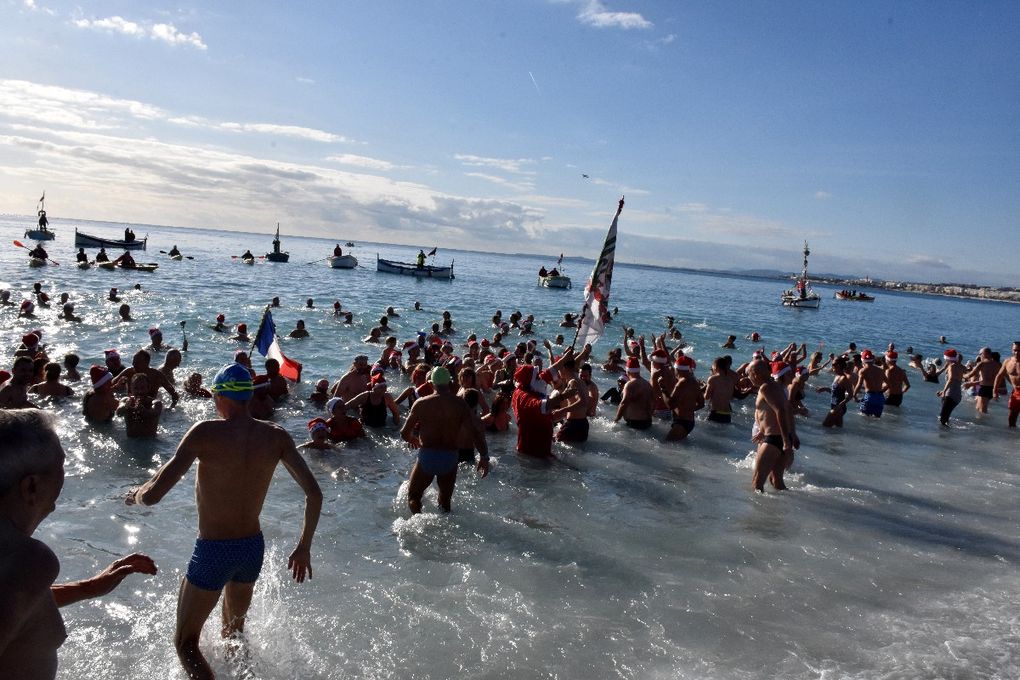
[[594, 13], [823, 195], [505, 164], [305, 81], [361, 162], [502, 181], [167, 33], [25, 101]]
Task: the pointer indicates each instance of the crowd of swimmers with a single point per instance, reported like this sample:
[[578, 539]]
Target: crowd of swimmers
[[460, 391]]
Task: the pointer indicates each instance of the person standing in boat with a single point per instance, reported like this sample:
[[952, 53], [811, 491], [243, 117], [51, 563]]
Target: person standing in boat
[[542, 273], [338, 251], [43, 222], [421, 259]]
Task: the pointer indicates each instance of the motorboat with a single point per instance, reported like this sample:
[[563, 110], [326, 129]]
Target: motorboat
[[554, 281], [410, 269], [853, 296], [43, 232], [802, 295]]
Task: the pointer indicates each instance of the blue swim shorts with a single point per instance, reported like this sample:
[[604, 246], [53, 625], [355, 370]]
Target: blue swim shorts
[[873, 404], [216, 563], [437, 461]]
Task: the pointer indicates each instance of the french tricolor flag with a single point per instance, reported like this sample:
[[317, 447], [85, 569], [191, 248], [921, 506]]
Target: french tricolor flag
[[268, 346]]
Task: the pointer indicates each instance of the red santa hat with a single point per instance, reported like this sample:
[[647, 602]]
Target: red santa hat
[[867, 356], [951, 355], [660, 357], [100, 376], [891, 356], [220, 318], [633, 365]]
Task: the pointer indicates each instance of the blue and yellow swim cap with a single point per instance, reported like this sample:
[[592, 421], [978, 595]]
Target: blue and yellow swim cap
[[234, 382]]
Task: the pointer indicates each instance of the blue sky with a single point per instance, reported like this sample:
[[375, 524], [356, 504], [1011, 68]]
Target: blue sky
[[887, 134]]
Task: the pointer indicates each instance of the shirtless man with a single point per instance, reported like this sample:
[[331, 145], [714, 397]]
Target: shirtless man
[[242, 333], [984, 373], [140, 364], [100, 403], [662, 380], [575, 427], [776, 436], [140, 412], [433, 426], [31, 628], [237, 456], [684, 400], [896, 381], [1010, 371], [278, 388], [355, 381], [592, 388], [636, 401], [872, 379], [156, 341], [14, 392], [170, 364], [952, 392], [719, 390], [299, 330], [51, 387]]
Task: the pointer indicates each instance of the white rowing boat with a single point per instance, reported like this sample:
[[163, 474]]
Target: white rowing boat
[[342, 261], [410, 269], [554, 281]]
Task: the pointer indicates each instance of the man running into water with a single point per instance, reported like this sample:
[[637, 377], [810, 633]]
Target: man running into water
[[775, 433], [684, 400], [896, 381], [985, 372], [237, 456], [433, 427], [1011, 371], [872, 379], [719, 390], [636, 403]]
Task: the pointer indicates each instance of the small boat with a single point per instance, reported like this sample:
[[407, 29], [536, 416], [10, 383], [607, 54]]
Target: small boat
[[342, 261], [411, 269], [42, 233], [348, 245], [84, 265], [277, 255], [106, 265], [37, 262], [554, 281], [176, 258], [83, 240], [248, 260], [140, 267], [802, 295], [853, 296]]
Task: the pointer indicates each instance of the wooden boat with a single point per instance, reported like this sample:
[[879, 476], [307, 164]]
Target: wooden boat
[[853, 297], [802, 295], [277, 255], [40, 234], [554, 281], [342, 261], [83, 240], [411, 269], [36, 262]]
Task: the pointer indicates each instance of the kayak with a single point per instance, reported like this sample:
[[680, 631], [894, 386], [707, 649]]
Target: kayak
[[36, 262], [342, 261], [248, 260], [141, 267], [84, 265], [106, 265], [177, 258]]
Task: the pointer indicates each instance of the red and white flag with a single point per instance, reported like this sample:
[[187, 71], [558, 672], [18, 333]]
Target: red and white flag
[[596, 292]]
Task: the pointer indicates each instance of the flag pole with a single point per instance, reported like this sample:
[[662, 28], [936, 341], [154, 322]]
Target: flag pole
[[255, 341], [591, 281]]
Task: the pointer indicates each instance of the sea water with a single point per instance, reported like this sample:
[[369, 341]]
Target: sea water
[[893, 554]]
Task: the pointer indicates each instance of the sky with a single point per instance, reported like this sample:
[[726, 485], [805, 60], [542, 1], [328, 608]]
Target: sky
[[885, 134]]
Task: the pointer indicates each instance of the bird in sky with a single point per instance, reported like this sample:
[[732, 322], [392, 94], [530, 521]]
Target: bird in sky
[[585, 176]]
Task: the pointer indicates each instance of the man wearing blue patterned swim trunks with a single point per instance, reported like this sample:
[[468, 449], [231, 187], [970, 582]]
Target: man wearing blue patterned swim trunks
[[237, 456], [433, 427], [872, 379]]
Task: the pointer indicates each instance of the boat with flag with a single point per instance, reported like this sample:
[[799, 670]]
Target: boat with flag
[[83, 240], [802, 295], [554, 278], [595, 312], [43, 232], [417, 269], [277, 255]]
